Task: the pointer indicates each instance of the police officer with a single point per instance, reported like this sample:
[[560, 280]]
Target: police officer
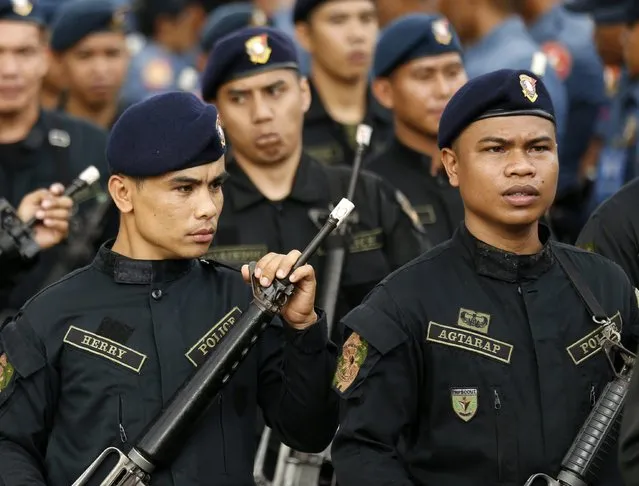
[[168, 59], [479, 376], [567, 40], [52, 211], [53, 88], [224, 20], [494, 37], [340, 37], [149, 297], [418, 67], [277, 195], [89, 40], [38, 147]]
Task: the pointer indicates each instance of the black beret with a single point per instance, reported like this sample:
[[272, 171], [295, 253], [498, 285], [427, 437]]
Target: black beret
[[303, 9], [245, 52], [164, 133], [24, 10], [633, 11], [229, 18], [411, 37], [79, 18], [602, 11], [50, 8], [505, 92]]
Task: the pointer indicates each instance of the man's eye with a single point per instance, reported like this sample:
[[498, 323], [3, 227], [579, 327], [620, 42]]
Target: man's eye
[[495, 150], [540, 148], [184, 189]]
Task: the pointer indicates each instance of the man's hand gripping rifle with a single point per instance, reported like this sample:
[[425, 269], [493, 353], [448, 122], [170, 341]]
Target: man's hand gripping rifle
[[161, 440], [599, 433]]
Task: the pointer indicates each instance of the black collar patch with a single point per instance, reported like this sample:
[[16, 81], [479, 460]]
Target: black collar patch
[[197, 354], [105, 347]]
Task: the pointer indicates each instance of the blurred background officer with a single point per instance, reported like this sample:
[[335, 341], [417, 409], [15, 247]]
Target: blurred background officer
[[53, 83], [148, 295], [89, 40], [461, 368], [53, 212], [168, 59], [225, 19], [253, 79], [37, 147], [340, 37], [567, 40], [390, 10], [418, 68], [495, 37]]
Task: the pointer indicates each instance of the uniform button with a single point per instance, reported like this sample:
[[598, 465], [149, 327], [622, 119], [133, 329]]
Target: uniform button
[[156, 294]]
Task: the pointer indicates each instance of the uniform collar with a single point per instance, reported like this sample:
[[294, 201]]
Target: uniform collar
[[37, 135], [511, 28], [410, 155], [129, 271], [502, 265], [307, 186], [317, 112]]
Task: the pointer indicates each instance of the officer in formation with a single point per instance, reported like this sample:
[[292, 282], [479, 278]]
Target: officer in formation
[[53, 84], [340, 37], [224, 20], [495, 37], [418, 67], [479, 377], [92, 359], [277, 195], [89, 39], [39, 147], [168, 59], [52, 210], [567, 40]]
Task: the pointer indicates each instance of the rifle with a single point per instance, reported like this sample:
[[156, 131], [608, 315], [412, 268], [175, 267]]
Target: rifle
[[160, 441], [598, 435], [297, 468]]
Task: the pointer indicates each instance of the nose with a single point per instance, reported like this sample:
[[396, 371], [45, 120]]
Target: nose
[[520, 165], [262, 110], [208, 205]]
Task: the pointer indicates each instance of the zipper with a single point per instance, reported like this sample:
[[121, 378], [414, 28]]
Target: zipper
[[593, 395], [123, 437], [219, 401], [497, 407]]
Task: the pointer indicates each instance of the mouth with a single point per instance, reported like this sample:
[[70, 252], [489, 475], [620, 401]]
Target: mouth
[[521, 196], [267, 139], [205, 235], [358, 57]]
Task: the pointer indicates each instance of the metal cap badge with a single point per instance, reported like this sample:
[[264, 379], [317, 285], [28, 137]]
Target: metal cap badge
[[529, 87], [258, 50]]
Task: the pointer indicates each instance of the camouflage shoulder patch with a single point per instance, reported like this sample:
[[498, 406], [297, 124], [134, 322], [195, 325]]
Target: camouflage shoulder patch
[[354, 353], [6, 372], [408, 209]]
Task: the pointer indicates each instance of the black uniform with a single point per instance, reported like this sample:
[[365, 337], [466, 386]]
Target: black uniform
[[437, 203], [383, 239], [613, 230], [57, 149], [330, 142], [97, 355], [472, 366]]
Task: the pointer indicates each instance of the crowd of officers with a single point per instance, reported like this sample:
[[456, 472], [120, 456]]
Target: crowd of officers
[[467, 354]]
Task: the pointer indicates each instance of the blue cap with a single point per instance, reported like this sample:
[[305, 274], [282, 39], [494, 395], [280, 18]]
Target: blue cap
[[22, 10], [303, 8], [50, 8], [602, 11], [79, 18], [229, 18], [164, 133], [499, 93], [245, 52], [411, 37]]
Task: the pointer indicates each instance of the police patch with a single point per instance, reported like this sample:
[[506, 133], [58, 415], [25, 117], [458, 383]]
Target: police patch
[[559, 57], [528, 87], [105, 347], [465, 401], [354, 353], [475, 321], [469, 341], [590, 344], [426, 214], [367, 241], [237, 253], [6, 372], [258, 50], [197, 354], [157, 74]]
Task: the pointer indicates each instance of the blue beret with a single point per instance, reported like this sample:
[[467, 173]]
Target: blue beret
[[602, 11], [303, 9], [245, 52], [229, 18], [499, 93], [79, 18], [411, 37], [164, 133], [24, 10], [49, 9]]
